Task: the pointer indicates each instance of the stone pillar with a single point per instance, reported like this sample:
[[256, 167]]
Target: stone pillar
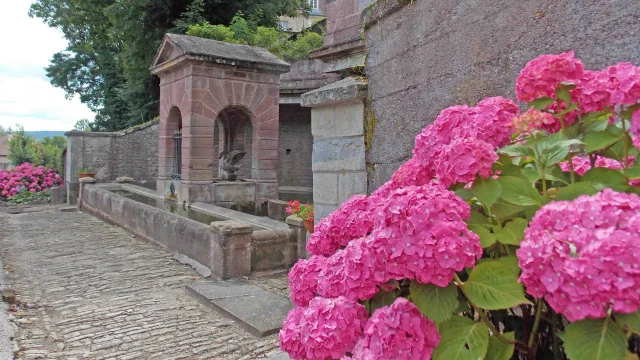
[[230, 249], [337, 125], [296, 224]]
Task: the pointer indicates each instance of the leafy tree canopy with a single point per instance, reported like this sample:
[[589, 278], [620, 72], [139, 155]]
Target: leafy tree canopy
[[25, 148], [113, 42], [277, 42]]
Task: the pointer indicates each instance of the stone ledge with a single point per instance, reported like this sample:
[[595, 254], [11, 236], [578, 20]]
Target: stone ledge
[[354, 45], [343, 90], [258, 311], [115, 133], [378, 10]]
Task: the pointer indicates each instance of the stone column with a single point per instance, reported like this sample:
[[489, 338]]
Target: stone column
[[296, 224], [230, 249], [337, 125]]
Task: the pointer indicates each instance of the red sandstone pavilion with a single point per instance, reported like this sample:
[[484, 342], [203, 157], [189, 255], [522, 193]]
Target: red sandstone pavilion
[[219, 96]]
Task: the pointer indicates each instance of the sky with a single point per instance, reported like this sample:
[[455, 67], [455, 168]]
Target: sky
[[26, 96]]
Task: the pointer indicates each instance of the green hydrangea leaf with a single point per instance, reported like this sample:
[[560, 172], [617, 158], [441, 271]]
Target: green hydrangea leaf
[[499, 350], [436, 303], [493, 285], [462, 339], [599, 339]]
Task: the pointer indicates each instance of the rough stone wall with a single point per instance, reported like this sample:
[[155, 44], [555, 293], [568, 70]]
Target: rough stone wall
[[428, 55], [295, 146], [132, 153], [136, 155], [343, 20]]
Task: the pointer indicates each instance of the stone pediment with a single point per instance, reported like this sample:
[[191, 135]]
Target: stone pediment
[[177, 48]]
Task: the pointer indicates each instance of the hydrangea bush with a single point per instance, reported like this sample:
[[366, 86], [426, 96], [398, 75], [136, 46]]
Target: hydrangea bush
[[27, 177], [507, 235]]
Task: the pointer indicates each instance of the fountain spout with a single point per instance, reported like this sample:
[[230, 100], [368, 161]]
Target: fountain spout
[[231, 164]]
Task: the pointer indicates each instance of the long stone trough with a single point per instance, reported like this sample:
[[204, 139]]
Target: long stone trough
[[231, 247]]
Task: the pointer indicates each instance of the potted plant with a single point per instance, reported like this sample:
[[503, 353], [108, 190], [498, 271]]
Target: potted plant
[[83, 173], [305, 212]]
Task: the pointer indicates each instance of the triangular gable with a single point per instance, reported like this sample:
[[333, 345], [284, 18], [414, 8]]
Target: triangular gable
[[168, 51]]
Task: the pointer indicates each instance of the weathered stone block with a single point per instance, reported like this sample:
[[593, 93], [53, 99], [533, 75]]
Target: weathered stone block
[[340, 120], [339, 154], [124, 179], [350, 184], [230, 249], [277, 209], [58, 195], [325, 188]]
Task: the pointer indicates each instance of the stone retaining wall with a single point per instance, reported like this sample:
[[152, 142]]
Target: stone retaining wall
[[423, 56], [132, 153]]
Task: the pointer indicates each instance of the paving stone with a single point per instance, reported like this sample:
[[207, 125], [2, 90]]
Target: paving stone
[[259, 311], [99, 293]]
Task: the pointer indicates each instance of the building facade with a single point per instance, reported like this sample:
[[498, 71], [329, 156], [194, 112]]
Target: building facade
[[297, 24]]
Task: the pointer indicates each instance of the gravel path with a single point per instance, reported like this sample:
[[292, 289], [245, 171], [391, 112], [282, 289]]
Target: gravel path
[[91, 291]]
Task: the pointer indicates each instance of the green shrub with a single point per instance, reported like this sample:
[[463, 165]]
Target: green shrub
[[277, 42]]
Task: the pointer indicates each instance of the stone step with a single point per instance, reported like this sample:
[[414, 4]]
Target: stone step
[[256, 310], [279, 356]]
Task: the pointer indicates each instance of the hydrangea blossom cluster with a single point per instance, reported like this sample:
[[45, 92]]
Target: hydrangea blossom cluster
[[27, 177], [461, 143], [542, 75], [616, 85], [398, 331], [325, 329], [303, 279], [533, 120], [462, 160], [421, 234], [350, 221], [352, 272], [583, 257], [583, 164]]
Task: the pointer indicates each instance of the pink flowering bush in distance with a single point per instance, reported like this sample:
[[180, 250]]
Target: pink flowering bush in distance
[[26, 177], [506, 234]]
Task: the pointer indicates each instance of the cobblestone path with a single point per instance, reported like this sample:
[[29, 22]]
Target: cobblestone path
[[91, 291]]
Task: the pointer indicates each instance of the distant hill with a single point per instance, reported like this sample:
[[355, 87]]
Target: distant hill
[[43, 134]]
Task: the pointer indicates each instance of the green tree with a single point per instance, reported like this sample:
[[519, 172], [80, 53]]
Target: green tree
[[82, 125], [113, 42], [50, 152], [25, 148], [5, 131], [276, 41], [22, 148]]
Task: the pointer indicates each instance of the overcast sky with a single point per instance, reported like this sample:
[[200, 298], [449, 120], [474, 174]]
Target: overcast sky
[[26, 96]]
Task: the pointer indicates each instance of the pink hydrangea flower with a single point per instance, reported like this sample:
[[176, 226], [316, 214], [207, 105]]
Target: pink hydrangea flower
[[420, 234], [491, 121], [350, 221], [26, 177], [583, 164], [352, 272], [326, 329], [583, 257], [533, 120], [462, 160], [291, 334], [616, 85], [542, 75], [414, 172], [399, 331], [303, 279]]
